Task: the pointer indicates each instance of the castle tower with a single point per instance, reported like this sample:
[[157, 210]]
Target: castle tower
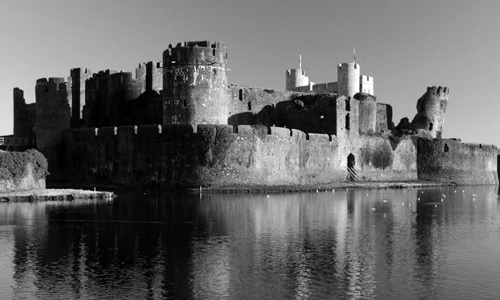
[[367, 113], [430, 111], [348, 76], [154, 76], [195, 84], [53, 115], [296, 77], [140, 77], [76, 94]]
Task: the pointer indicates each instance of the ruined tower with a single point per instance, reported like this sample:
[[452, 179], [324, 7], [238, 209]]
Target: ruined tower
[[20, 115], [367, 113], [76, 94], [430, 111], [52, 119], [195, 84]]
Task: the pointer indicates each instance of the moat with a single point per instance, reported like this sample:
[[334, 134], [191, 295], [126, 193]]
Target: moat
[[434, 243]]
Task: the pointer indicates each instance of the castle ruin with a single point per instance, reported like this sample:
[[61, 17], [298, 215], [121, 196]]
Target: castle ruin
[[179, 123]]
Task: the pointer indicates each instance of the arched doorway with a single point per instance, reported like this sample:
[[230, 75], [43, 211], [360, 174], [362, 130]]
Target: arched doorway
[[351, 163]]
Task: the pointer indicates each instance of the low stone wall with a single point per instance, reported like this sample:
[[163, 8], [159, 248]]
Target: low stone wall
[[452, 161]]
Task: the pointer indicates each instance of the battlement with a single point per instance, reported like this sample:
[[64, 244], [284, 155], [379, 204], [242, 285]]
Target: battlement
[[351, 65], [439, 91], [50, 85], [196, 53], [206, 44]]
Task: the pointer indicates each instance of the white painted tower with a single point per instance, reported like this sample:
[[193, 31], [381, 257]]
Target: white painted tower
[[348, 76], [296, 77], [366, 84]]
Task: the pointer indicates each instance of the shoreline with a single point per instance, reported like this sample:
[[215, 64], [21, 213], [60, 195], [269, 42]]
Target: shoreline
[[55, 195], [70, 194], [320, 188]]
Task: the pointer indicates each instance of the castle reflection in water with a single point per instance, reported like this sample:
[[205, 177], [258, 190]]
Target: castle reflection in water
[[343, 243]]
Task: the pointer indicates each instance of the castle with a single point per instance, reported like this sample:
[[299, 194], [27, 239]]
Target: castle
[[179, 123]]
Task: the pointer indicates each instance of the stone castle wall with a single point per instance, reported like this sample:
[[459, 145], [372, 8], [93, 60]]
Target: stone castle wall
[[224, 155], [452, 161]]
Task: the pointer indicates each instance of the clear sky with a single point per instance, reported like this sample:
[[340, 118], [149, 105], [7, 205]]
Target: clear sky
[[405, 45]]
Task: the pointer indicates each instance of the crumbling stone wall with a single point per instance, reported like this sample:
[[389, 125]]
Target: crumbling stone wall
[[430, 111]]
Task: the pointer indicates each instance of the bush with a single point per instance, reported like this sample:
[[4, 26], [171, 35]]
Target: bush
[[13, 165]]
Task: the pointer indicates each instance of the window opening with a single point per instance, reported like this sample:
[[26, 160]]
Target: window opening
[[347, 122]]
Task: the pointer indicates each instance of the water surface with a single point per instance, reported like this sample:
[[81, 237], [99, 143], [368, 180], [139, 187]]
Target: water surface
[[343, 244]]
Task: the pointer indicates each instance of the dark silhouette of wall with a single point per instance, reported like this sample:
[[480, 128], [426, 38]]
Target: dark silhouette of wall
[[117, 99], [52, 120], [24, 116], [76, 94]]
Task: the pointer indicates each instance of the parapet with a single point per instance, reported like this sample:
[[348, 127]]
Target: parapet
[[439, 91], [196, 53], [349, 65]]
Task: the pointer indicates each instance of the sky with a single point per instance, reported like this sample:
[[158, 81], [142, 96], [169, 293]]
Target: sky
[[405, 45]]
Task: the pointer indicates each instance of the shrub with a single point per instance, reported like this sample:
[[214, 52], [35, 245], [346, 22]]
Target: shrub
[[13, 165]]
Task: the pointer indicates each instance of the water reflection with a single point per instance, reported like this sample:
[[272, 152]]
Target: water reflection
[[361, 244]]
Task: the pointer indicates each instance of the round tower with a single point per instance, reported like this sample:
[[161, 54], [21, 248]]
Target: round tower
[[430, 111], [348, 78], [367, 113], [296, 78], [195, 84]]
